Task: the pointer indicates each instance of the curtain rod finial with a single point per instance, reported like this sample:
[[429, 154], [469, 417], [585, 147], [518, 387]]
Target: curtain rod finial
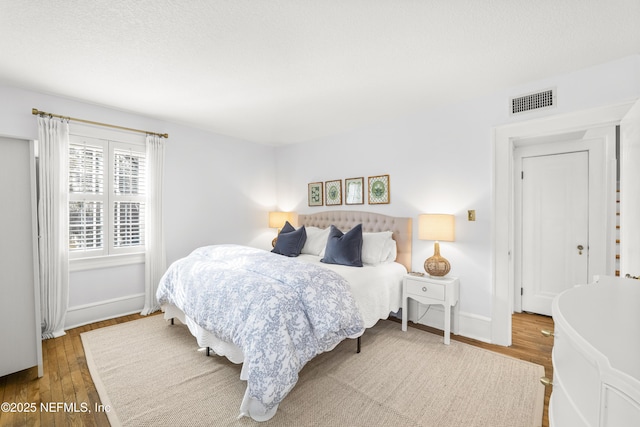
[[35, 111]]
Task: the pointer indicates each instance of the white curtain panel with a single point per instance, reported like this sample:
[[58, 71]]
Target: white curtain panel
[[53, 223], [155, 257]]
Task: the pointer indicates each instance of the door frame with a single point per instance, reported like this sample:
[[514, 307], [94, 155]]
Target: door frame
[[630, 188], [593, 142], [503, 242]]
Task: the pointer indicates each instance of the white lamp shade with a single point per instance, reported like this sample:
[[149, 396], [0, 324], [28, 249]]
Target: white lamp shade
[[278, 219], [439, 227]]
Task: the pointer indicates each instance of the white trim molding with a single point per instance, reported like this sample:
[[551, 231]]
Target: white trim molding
[[503, 190], [80, 315], [81, 264], [469, 325]]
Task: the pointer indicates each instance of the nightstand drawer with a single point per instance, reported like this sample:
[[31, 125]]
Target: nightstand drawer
[[425, 289]]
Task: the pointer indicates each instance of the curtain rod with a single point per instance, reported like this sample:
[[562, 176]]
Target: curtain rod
[[37, 112]]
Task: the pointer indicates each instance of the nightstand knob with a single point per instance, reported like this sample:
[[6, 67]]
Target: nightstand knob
[[424, 289]]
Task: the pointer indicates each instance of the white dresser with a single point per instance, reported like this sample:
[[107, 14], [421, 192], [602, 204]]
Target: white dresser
[[596, 356]]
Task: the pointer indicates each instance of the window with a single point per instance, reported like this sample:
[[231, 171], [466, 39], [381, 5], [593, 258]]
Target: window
[[128, 198], [106, 197]]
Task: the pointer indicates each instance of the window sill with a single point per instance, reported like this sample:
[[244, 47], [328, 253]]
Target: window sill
[[79, 264]]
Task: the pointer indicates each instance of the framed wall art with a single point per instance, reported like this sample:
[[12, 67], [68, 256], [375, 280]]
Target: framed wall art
[[354, 191], [315, 194], [379, 192], [333, 192]]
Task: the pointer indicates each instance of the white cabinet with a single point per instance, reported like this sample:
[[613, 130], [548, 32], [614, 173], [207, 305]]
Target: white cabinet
[[442, 291], [596, 356], [20, 334]]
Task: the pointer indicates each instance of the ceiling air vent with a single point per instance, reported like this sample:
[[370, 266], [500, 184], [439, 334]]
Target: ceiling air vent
[[533, 101]]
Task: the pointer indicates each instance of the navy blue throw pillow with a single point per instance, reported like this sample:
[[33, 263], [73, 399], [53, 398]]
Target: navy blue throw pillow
[[287, 228], [344, 248], [290, 241]]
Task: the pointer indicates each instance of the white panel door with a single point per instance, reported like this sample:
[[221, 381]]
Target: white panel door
[[555, 227]]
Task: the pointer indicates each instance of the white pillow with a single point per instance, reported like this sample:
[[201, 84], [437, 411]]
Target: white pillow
[[391, 249], [377, 247], [316, 240]]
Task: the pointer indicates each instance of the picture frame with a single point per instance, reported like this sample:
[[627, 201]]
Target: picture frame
[[315, 194], [379, 190], [333, 192], [354, 191]]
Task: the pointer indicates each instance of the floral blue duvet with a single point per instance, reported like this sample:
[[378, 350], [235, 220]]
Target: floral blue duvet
[[280, 312]]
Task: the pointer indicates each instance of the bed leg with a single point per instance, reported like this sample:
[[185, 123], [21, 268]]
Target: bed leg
[[172, 320], [358, 346], [208, 351]]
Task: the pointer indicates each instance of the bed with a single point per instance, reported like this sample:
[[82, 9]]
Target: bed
[[272, 321]]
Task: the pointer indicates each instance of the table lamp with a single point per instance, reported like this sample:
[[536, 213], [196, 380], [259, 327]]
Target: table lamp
[[438, 227], [277, 220]]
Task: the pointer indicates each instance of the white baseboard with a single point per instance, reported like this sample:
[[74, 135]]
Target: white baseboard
[[475, 327], [469, 325], [80, 315]]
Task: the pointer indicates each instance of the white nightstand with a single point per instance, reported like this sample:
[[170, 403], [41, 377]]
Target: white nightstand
[[432, 290]]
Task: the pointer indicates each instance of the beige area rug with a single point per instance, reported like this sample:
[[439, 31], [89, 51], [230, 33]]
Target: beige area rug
[[153, 374]]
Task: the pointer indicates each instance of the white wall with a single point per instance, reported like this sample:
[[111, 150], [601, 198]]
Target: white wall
[[217, 190], [440, 161]]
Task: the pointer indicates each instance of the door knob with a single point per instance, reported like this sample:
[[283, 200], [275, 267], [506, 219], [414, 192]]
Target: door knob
[[580, 248]]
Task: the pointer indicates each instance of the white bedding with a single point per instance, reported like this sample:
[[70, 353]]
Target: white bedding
[[376, 289]]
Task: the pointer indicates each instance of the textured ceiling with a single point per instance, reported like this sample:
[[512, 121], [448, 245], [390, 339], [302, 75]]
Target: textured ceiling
[[283, 71]]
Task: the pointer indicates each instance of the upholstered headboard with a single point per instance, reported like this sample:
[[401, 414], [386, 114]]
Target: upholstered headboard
[[371, 223]]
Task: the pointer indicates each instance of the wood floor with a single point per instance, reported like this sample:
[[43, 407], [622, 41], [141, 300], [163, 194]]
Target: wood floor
[[67, 380]]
